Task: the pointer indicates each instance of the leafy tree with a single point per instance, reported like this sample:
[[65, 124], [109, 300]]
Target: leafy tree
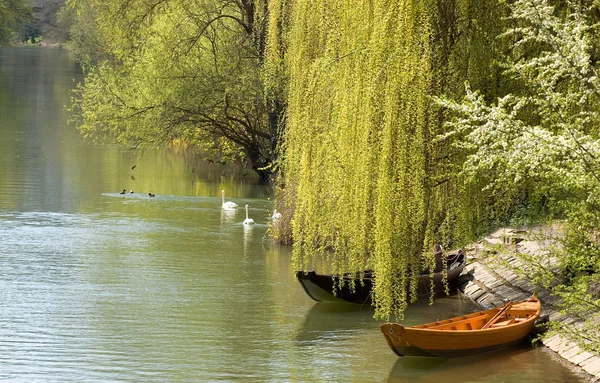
[[545, 138], [13, 15], [173, 69], [86, 40]]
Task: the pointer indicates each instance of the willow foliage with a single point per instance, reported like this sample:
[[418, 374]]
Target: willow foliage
[[369, 186]]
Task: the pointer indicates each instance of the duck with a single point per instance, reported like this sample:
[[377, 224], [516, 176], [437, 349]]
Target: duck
[[124, 191], [227, 205], [248, 221], [151, 195], [276, 215], [131, 191]]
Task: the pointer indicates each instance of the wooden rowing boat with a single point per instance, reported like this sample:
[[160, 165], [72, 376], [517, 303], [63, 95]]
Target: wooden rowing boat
[[465, 335], [321, 287]]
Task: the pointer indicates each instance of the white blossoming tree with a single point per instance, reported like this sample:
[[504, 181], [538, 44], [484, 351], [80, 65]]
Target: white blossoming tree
[[544, 138]]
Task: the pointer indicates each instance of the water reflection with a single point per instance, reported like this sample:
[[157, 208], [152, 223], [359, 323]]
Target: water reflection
[[522, 363], [228, 216], [327, 320], [248, 230]]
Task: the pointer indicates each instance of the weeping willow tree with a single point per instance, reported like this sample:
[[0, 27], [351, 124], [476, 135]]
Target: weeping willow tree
[[368, 184]]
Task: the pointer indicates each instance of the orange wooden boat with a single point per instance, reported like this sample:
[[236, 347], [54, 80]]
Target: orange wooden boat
[[465, 335]]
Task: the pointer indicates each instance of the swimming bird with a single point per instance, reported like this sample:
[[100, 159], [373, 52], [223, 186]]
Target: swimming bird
[[227, 205], [276, 215], [131, 191], [124, 191], [248, 221], [151, 195]]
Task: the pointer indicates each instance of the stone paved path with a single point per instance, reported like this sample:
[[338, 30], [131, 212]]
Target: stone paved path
[[489, 280]]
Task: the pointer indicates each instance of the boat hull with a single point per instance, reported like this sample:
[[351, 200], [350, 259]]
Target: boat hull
[[320, 287], [450, 343], [465, 346]]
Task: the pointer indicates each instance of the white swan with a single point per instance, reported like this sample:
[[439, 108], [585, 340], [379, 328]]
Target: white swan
[[276, 215], [227, 205], [248, 221]]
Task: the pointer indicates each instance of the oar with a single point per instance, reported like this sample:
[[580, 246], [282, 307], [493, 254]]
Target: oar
[[497, 316]]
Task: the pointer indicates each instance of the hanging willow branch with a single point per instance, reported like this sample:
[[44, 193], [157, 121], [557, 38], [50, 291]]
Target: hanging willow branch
[[360, 169]]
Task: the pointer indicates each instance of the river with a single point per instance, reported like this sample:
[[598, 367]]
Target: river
[[96, 286]]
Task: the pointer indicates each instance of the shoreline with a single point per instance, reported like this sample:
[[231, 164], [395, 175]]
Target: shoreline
[[41, 44], [489, 279], [53, 44]]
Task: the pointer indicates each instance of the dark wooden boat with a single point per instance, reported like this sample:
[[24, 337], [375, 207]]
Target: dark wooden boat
[[465, 335], [320, 287]]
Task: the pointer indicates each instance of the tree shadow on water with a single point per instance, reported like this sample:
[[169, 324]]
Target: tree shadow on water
[[520, 363], [332, 319]]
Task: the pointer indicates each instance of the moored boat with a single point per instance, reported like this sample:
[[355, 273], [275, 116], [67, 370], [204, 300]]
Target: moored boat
[[467, 334], [321, 287]]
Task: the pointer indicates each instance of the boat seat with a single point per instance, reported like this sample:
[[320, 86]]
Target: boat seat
[[463, 324], [504, 322], [527, 306], [520, 313]]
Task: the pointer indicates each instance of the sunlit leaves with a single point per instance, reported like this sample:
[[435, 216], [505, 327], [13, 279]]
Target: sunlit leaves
[[175, 70]]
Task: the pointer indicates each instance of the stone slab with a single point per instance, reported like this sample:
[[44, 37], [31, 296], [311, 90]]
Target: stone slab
[[471, 286], [481, 274], [556, 343], [595, 360], [495, 284], [543, 294], [486, 301], [521, 284], [581, 357], [477, 294], [592, 365], [564, 346], [497, 302], [553, 300], [511, 277], [485, 279], [504, 291], [550, 338], [570, 352]]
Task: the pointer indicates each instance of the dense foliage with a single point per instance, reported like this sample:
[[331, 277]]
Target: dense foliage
[[15, 16]]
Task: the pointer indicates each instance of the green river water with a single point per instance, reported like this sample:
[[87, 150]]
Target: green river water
[[101, 287]]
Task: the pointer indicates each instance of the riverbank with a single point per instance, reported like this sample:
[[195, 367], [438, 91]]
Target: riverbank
[[43, 44], [492, 276]]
